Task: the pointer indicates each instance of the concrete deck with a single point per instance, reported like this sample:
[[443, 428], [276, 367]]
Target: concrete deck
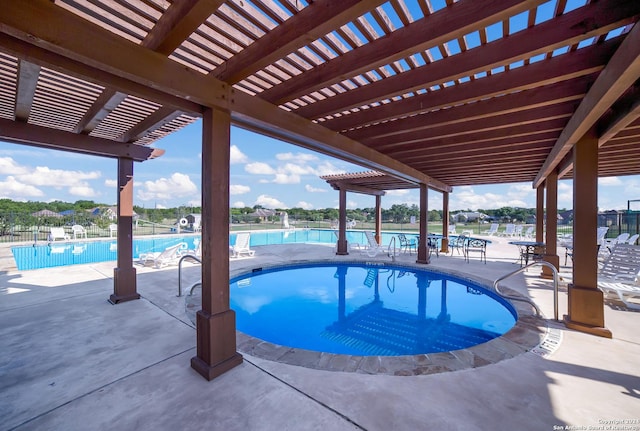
[[69, 360]]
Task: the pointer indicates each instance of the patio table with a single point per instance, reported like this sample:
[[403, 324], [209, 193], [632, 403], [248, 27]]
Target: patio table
[[533, 250]]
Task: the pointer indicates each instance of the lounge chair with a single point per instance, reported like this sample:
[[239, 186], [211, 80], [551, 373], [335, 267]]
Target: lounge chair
[[373, 248], [452, 229], [529, 232], [169, 256], [633, 239], [113, 230], [242, 246], [58, 233], [509, 230], [619, 275], [493, 230], [78, 231], [620, 239]]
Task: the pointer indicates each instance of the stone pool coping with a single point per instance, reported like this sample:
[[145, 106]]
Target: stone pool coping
[[529, 332]]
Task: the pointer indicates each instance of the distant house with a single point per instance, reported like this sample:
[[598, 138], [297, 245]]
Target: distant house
[[469, 216], [46, 213], [263, 214], [195, 221], [110, 213]]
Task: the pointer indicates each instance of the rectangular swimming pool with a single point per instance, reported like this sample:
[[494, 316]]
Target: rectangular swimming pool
[[60, 253]]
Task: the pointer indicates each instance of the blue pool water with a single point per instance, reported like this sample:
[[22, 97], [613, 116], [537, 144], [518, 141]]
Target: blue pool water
[[357, 309], [60, 253]]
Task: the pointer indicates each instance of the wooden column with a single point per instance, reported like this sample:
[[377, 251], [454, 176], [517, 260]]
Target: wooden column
[[551, 232], [216, 322], [124, 276], [378, 234], [445, 222], [586, 305], [423, 252], [343, 247], [540, 213]]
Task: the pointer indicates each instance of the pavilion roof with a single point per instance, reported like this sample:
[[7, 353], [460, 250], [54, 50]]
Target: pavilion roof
[[428, 91]]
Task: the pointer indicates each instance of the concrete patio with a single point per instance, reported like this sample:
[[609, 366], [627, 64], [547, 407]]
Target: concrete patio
[[69, 360]]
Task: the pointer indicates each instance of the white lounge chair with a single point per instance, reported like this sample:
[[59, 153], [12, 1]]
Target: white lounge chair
[[242, 246], [373, 248], [493, 229], [619, 275], [509, 230], [78, 231], [452, 229], [528, 233], [620, 239], [113, 230], [169, 256], [633, 239], [58, 233]]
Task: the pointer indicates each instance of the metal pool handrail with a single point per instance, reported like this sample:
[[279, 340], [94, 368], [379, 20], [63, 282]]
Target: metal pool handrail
[[555, 287], [186, 256]]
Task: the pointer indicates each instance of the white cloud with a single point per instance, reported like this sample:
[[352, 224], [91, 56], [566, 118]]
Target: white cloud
[[259, 168], [397, 192], [44, 176], [114, 183], [238, 156], [304, 205], [195, 202], [327, 168], [82, 190], [178, 185], [11, 188], [298, 157], [282, 178], [8, 166], [312, 189], [269, 202], [237, 189], [352, 204], [609, 181], [238, 204]]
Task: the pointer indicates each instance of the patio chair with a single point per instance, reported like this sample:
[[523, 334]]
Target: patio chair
[[457, 243], [493, 230], [518, 231], [619, 275], [452, 229], [242, 246], [475, 245], [113, 230], [407, 245], [373, 248], [169, 256], [78, 231], [58, 233]]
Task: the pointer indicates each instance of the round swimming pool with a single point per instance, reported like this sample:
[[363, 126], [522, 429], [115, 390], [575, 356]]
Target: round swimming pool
[[367, 310]]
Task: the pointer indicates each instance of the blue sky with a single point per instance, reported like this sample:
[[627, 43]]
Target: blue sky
[[264, 172]]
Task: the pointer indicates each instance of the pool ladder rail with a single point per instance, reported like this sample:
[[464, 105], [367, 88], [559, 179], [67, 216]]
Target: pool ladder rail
[[183, 258], [530, 302]]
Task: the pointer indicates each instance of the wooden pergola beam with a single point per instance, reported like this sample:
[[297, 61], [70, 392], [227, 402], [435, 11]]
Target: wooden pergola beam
[[345, 185], [582, 62], [311, 23], [529, 99], [26, 88], [105, 103], [435, 29], [559, 32], [157, 119], [45, 137], [620, 73], [115, 58]]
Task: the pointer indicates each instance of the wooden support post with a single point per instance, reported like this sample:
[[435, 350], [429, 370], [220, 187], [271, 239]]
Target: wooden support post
[[124, 276], [423, 252], [586, 304], [540, 213], [343, 247], [445, 223], [216, 322], [378, 234], [551, 233]]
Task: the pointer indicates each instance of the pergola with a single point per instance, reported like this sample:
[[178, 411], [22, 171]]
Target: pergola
[[435, 93]]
